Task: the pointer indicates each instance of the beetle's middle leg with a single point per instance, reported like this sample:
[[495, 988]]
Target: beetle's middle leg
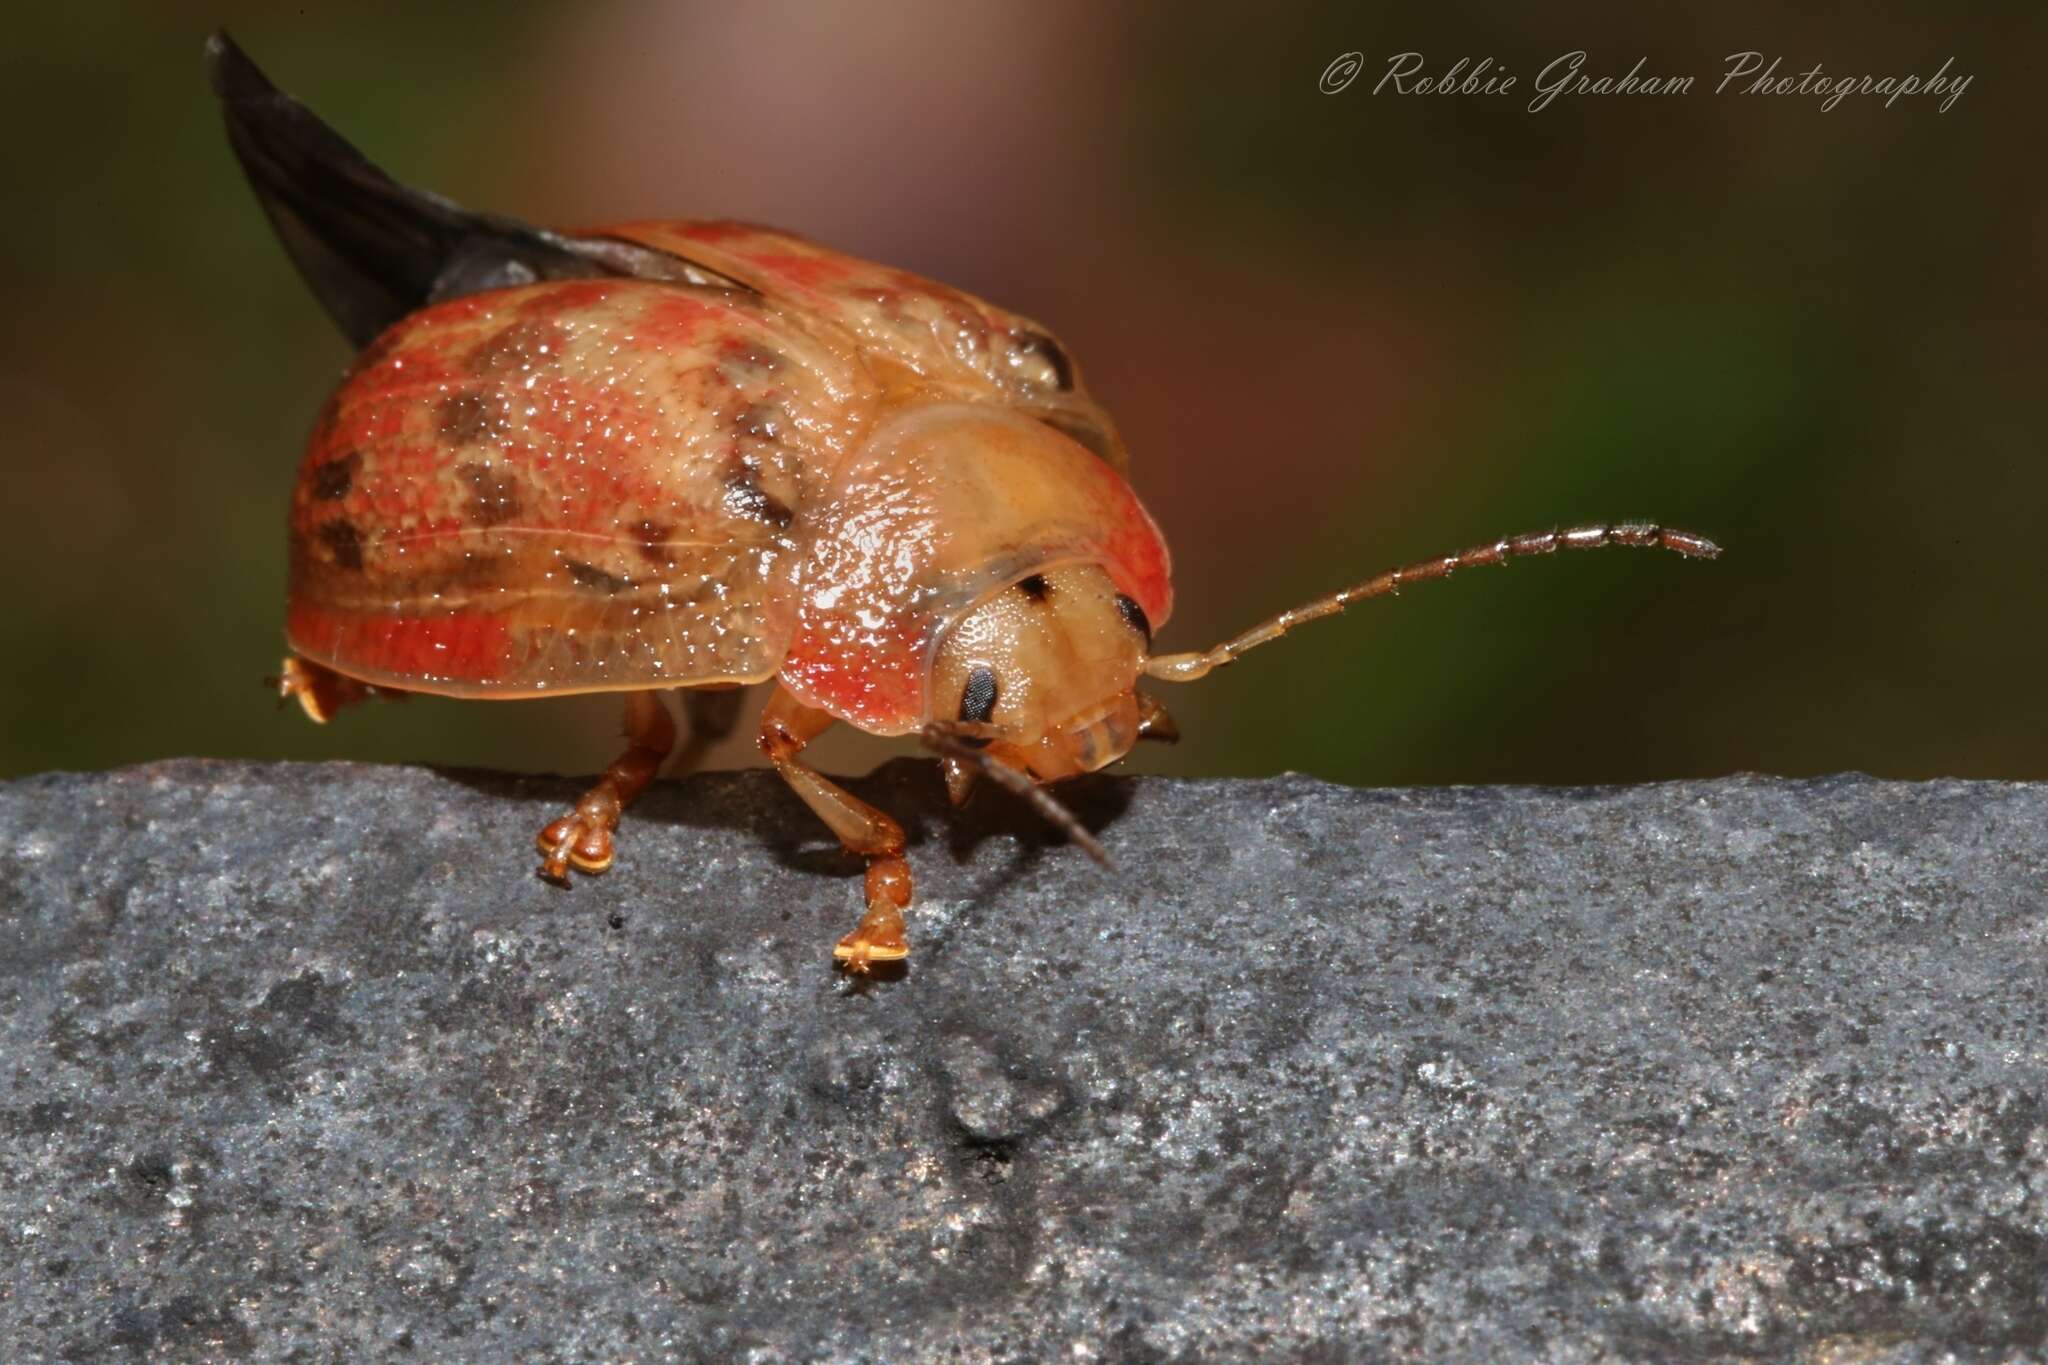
[[786, 727], [582, 839], [712, 712]]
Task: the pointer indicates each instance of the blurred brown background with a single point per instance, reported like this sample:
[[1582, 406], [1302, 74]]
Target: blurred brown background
[[1339, 332]]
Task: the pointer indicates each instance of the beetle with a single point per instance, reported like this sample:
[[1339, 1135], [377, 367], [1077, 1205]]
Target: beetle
[[699, 455]]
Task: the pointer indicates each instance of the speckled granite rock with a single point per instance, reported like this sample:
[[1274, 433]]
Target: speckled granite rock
[[304, 1063]]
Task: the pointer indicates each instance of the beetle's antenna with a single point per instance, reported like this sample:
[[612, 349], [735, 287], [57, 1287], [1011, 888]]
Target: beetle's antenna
[[1630, 535], [957, 741]]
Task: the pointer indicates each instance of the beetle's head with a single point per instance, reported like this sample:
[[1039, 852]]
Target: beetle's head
[[1042, 677]]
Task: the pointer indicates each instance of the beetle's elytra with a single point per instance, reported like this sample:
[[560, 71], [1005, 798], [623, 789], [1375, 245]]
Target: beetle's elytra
[[699, 455]]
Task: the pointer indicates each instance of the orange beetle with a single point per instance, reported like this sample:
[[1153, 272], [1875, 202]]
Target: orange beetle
[[700, 455]]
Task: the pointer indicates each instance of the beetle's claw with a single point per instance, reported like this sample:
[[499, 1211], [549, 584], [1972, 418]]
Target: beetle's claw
[[860, 958], [878, 938], [573, 842]]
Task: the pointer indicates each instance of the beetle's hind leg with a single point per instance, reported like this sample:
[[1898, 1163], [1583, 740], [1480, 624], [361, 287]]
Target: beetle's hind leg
[[582, 839], [786, 727]]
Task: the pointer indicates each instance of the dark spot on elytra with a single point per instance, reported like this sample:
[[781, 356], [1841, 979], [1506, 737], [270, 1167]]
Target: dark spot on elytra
[[344, 542], [1134, 617], [653, 541], [744, 497], [524, 345], [469, 418], [978, 698], [751, 360], [333, 478], [494, 493], [1035, 587], [590, 576], [1043, 346], [767, 421]]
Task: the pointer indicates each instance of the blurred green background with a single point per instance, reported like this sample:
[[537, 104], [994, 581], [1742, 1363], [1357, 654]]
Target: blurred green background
[[1339, 332]]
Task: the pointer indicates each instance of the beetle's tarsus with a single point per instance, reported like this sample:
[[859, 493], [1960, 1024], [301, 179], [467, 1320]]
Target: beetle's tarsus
[[858, 954], [879, 935], [573, 842]]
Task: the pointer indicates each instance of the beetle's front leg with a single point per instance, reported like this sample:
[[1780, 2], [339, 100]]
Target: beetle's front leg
[[786, 727], [582, 839]]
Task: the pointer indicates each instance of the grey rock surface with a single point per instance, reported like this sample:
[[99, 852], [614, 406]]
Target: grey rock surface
[[303, 1063]]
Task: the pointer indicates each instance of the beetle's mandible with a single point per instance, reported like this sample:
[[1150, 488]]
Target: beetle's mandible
[[700, 455]]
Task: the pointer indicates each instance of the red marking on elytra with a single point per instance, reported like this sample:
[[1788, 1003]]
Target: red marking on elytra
[[799, 271], [400, 372], [679, 319], [472, 645], [591, 437], [720, 230], [467, 307], [567, 296]]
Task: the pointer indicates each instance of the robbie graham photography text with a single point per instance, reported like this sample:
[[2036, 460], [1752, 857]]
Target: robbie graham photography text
[[1572, 74]]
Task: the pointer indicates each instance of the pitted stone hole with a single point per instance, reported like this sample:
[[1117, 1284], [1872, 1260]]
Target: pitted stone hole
[[991, 1162], [994, 1104], [152, 1173]]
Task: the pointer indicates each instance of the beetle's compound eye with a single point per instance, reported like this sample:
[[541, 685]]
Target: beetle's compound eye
[[1134, 617], [1040, 361], [978, 698]]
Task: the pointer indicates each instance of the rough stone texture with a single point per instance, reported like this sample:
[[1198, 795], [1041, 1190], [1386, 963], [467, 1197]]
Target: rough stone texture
[[304, 1063]]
